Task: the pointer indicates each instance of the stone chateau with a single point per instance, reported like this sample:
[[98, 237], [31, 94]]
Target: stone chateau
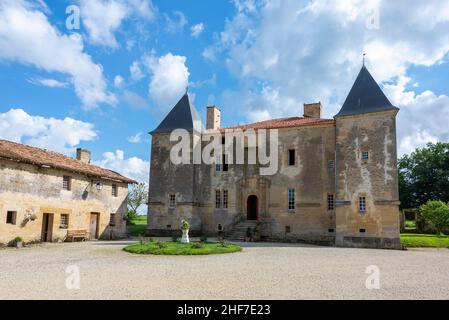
[[46, 196], [336, 181]]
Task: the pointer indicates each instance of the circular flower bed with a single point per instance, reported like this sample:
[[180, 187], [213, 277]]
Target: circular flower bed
[[177, 248]]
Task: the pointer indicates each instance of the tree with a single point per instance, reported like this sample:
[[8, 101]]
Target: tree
[[138, 196], [435, 213], [424, 175]]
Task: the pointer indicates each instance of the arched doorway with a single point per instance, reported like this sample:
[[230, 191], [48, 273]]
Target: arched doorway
[[252, 208]]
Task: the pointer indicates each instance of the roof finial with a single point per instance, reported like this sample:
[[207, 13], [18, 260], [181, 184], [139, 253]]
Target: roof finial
[[187, 89], [363, 61]]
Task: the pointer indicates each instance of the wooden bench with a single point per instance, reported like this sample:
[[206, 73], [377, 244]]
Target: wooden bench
[[73, 234]]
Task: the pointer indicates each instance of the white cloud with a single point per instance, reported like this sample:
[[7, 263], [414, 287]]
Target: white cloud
[[176, 23], [319, 58], [136, 72], [133, 167], [103, 18], [54, 134], [119, 82], [26, 36], [279, 67], [137, 138], [48, 82], [197, 30], [169, 78], [135, 100]]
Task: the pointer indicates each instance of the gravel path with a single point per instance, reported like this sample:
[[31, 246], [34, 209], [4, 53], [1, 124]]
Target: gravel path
[[261, 271]]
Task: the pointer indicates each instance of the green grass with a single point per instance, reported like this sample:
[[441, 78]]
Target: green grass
[[138, 226], [410, 224], [412, 240], [177, 248]]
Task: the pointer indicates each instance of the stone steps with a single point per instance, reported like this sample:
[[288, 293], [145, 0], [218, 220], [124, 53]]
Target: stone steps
[[239, 230]]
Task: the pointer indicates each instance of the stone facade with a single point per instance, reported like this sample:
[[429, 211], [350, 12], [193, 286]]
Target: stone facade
[[28, 190], [343, 176]]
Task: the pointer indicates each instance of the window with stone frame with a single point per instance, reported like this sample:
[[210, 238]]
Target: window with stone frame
[[291, 157], [217, 164], [365, 155], [331, 164], [362, 204], [64, 221], [225, 164], [217, 199], [330, 202], [291, 199], [11, 217], [66, 183], [172, 200], [225, 199], [114, 190]]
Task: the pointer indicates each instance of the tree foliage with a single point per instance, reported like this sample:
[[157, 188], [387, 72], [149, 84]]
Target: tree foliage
[[138, 196], [424, 175], [436, 214]]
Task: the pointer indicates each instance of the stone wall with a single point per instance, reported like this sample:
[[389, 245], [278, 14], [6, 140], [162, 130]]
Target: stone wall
[[31, 190]]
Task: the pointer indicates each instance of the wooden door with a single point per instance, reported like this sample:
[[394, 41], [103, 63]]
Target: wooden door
[[93, 227], [47, 227]]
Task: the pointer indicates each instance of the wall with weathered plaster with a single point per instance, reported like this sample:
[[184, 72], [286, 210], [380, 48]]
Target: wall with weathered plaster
[[28, 189], [375, 179]]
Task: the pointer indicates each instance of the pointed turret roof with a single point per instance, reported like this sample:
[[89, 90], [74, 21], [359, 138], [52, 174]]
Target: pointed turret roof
[[365, 96], [182, 116]]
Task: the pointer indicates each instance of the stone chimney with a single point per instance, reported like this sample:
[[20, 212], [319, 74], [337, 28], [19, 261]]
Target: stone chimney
[[83, 155], [313, 110], [213, 120]]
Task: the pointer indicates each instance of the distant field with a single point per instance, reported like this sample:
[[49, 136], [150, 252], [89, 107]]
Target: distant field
[[138, 226], [412, 240]]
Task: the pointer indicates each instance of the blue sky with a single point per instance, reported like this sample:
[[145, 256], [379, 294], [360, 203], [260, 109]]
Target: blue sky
[[105, 85]]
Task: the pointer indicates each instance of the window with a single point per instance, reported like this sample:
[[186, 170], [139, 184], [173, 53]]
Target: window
[[331, 230], [330, 202], [112, 220], [288, 229], [217, 199], [331, 164], [66, 183], [11, 217], [291, 199], [362, 204], [172, 201], [362, 230], [217, 164], [64, 222], [225, 199], [365, 155], [291, 157], [225, 164], [114, 190]]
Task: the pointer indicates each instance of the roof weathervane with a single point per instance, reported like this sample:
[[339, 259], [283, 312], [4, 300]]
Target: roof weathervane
[[363, 61], [187, 89]]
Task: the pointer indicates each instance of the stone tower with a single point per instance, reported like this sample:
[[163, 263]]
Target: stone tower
[[172, 194], [367, 199]]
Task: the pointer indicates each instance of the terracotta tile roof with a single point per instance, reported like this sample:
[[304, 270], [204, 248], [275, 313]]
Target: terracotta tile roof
[[283, 123], [41, 157]]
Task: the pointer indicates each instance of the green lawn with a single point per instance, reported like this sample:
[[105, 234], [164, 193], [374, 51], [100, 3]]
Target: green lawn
[[177, 248], [410, 224], [412, 240], [138, 226]]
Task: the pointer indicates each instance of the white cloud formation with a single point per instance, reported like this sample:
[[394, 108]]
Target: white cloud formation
[[196, 30], [48, 82], [26, 36], [60, 135], [133, 167], [287, 52], [103, 18], [169, 78], [176, 23], [135, 100], [135, 71], [119, 82], [137, 138]]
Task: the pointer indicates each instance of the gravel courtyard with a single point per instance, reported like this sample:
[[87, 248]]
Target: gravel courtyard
[[260, 271]]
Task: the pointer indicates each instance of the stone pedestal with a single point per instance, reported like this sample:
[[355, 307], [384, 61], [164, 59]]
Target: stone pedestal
[[185, 236]]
